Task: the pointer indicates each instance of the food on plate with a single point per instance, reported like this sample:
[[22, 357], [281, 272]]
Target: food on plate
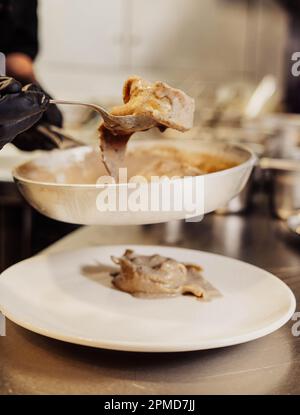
[[158, 276], [159, 105]]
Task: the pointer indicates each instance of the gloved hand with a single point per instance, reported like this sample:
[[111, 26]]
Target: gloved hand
[[34, 138], [20, 108]]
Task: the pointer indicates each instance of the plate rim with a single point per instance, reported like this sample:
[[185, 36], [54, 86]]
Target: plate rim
[[134, 346]]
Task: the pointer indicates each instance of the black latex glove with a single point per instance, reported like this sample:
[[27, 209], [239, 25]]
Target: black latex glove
[[33, 138], [19, 108]]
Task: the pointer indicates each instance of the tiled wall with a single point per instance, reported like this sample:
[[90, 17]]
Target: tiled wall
[[89, 46]]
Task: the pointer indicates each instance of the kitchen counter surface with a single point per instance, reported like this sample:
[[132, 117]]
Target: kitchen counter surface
[[33, 364]]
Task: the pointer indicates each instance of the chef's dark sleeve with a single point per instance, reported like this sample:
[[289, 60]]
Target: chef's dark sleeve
[[291, 6], [24, 36]]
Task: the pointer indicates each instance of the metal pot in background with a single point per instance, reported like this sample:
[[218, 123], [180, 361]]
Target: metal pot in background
[[284, 138], [241, 203], [282, 165], [285, 193], [284, 179], [278, 168]]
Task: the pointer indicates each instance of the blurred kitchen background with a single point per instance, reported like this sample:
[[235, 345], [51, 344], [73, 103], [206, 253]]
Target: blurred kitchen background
[[231, 55], [89, 48]]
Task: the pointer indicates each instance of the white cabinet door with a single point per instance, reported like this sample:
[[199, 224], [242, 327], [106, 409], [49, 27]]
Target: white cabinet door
[[84, 32], [206, 34]]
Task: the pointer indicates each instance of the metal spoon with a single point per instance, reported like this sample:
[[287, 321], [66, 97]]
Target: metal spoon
[[118, 124]]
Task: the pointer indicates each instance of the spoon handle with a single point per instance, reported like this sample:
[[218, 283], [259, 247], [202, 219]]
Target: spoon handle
[[96, 108]]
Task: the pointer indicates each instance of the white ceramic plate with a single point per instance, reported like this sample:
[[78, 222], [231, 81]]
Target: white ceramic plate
[[49, 294]]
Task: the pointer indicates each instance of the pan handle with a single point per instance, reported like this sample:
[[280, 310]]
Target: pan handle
[[267, 163]]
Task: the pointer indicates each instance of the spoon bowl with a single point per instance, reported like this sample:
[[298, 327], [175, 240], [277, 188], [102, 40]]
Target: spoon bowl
[[123, 124]]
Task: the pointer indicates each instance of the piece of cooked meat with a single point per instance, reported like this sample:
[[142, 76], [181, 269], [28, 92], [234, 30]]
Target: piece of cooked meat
[[155, 276], [167, 107]]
